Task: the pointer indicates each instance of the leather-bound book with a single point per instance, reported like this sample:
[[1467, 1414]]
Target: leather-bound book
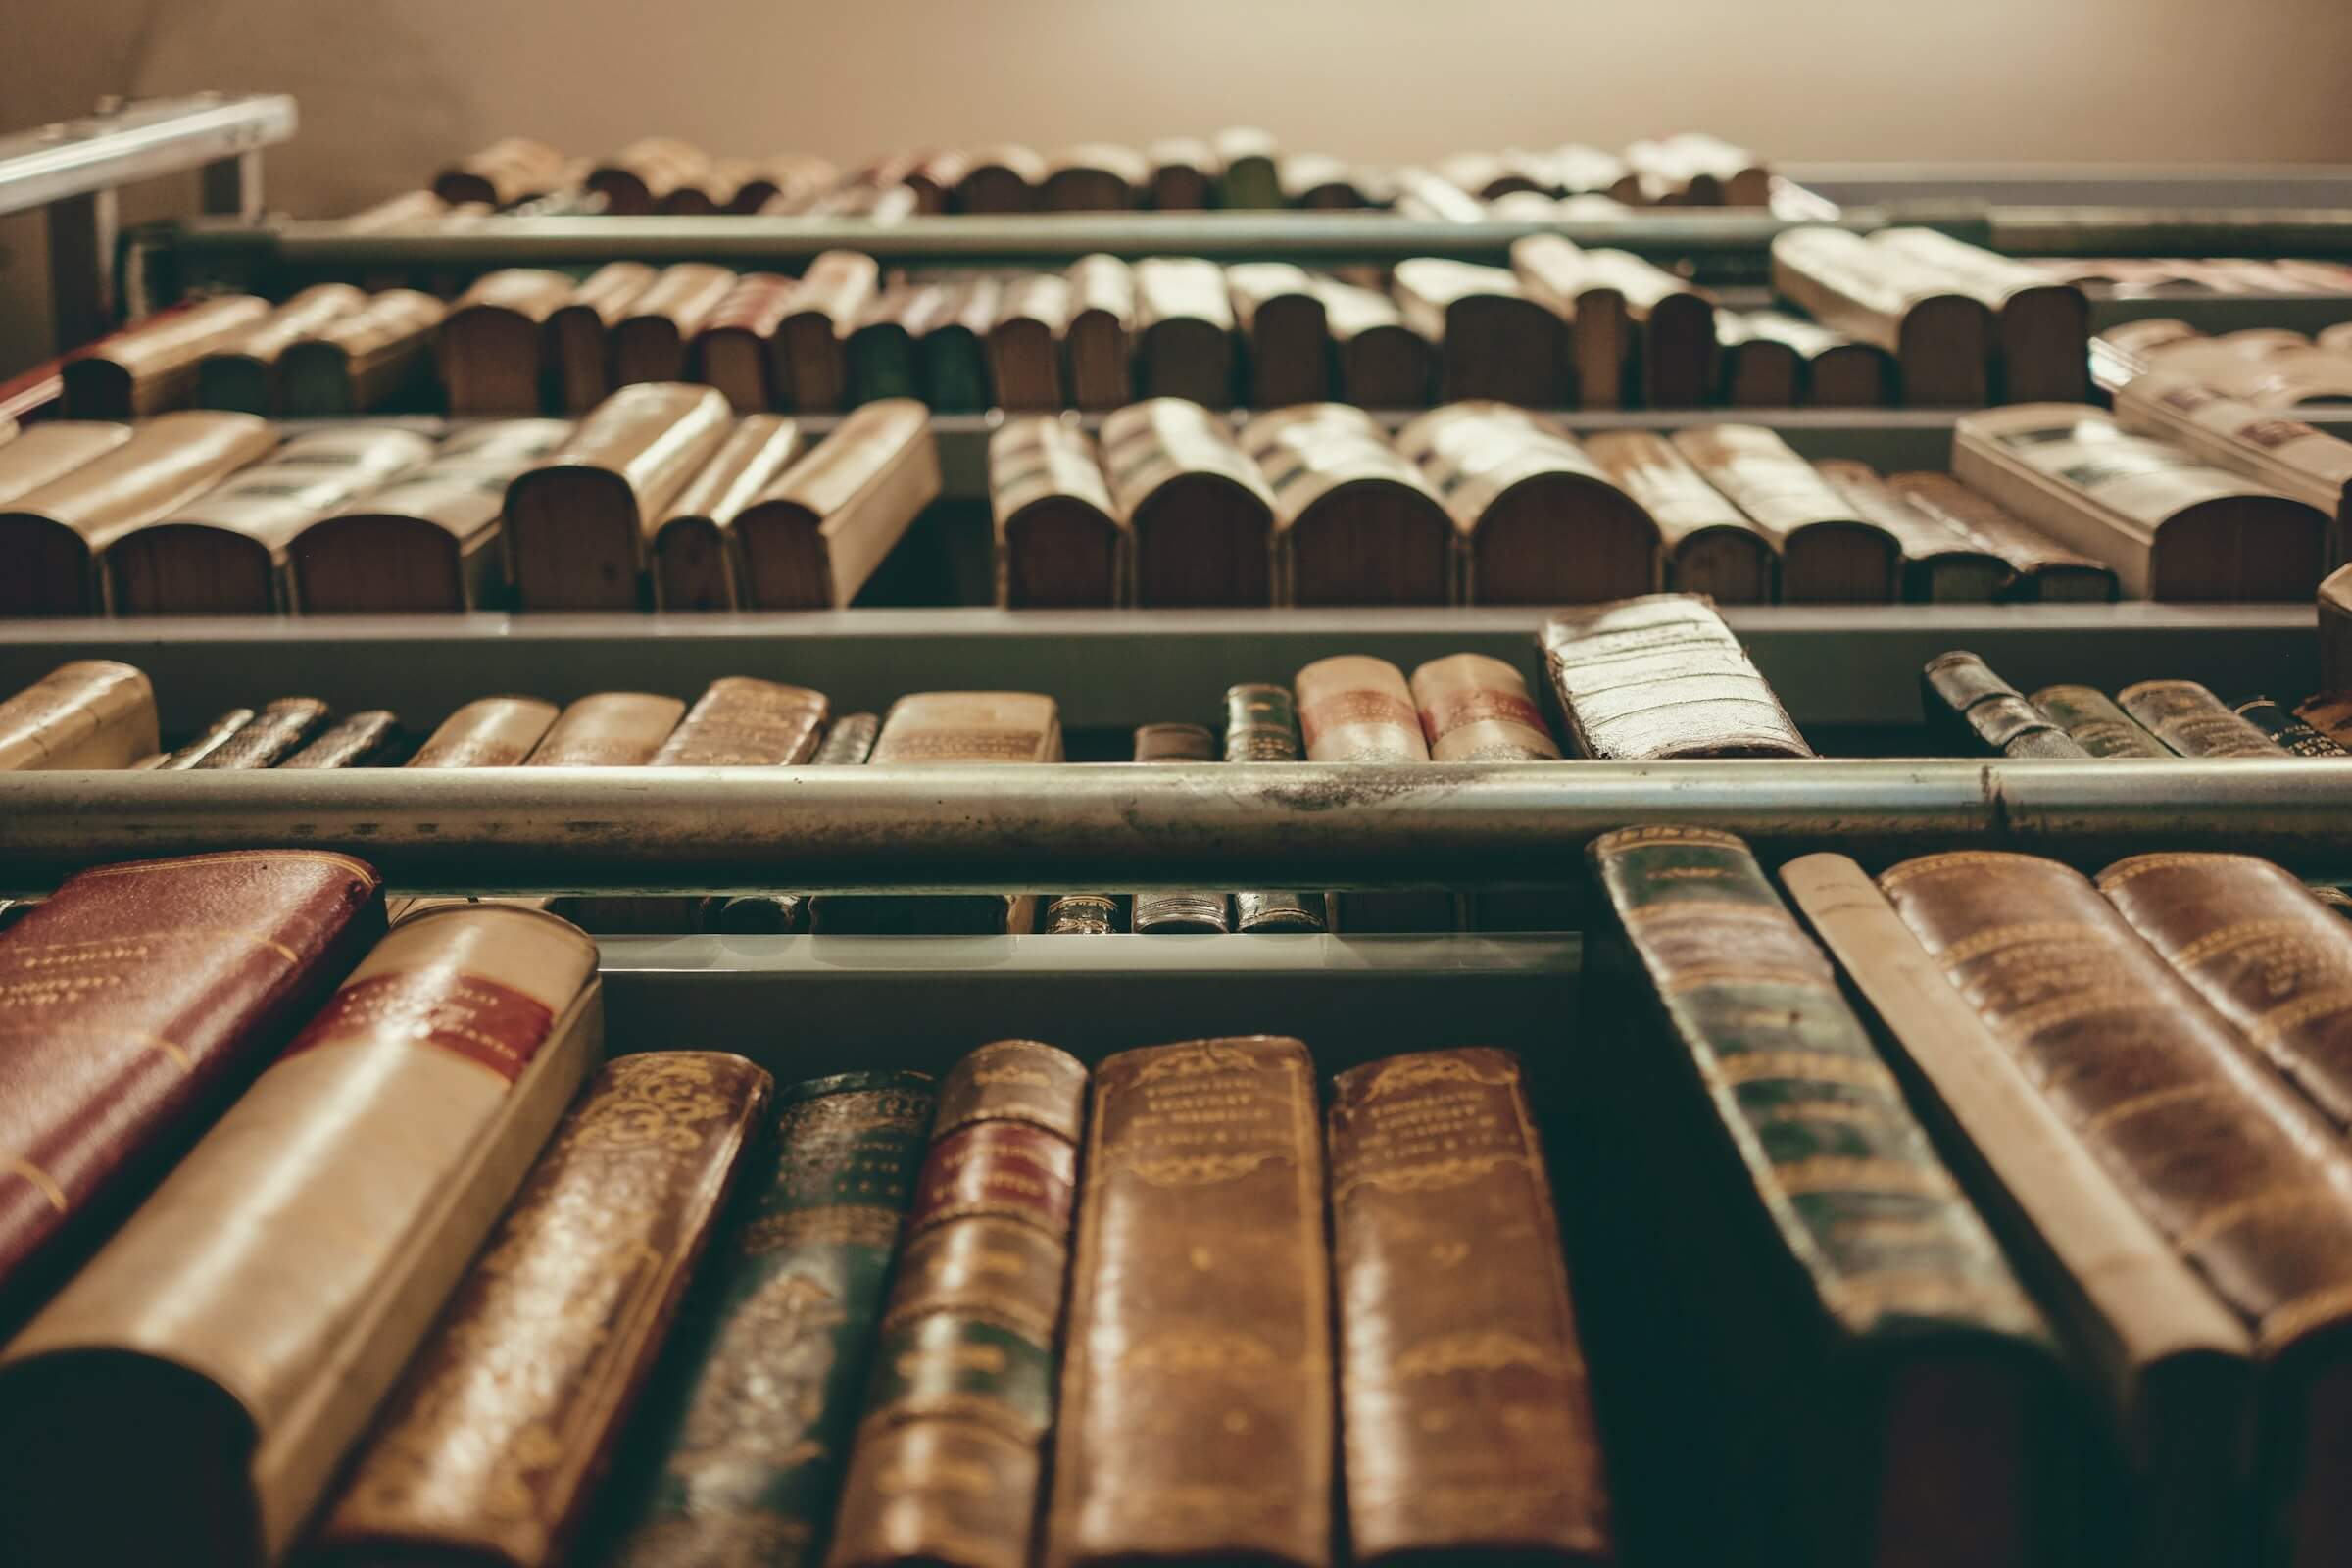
[[692, 539], [932, 176], [218, 957], [1829, 552], [409, 207], [2037, 322], [1094, 178], [379, 356], [809, 360], [846, 745], [2292, 457], [281, 728], [2193, 721], [1379, 361], [1158, 913], [1674, 324], [1707, 545], [964, 1374], [2247, 1180], [208, 740], [2040, 569], [1489, 176], [1196, 1410], [511, 170], [740, 721], [2169, 1365], [151, 365], [1580, 170], [1184, 331], [1759, 370], [576, 524], [950, 323], [583, 1278], [765, 1377], [1183, 174], [494, 342], [1198, 514], [581, 333], [1495, 340], [1973, 709], [815, 537], [1005, 178], [2094, 723], [1098, 336], [227, 551], [1060, 542], [1739, 177], [880, 346], [47, 452], [1248, 175], [488, 732], [1261, 727], [366, 739], [1939, 331], [2291, 732], [430, 540], [1659, 678], [734, 349], [1671, 177], [53, 538], [1284, 323], [1352, 708], [654, 333], [260, 1304], [1318, 182], [1477, 709], [91, 712], [1882, 1390], [1940, 562], [1601, 337], [1541, 521], [637, 180], [1833, 371], [849, 742], [608, 729], [1466, 1427], [242, 372], [1079, 914], [1024, 342], [930, 729], [1356, 521], [1425, 195]]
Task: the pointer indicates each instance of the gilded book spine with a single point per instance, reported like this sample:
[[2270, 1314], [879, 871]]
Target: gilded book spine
[[1260, 726], [1159, 912], [2286, 730]]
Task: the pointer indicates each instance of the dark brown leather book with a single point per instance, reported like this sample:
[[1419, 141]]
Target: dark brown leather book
[[366, 739], [1759, 370], [1184, 331], [653, 336], [1058, 537], [1005, 178], [468, 1463], [1160, 914], [1494, 339], [950, 323], [1466, 1427], [1183, 174], [640, 178], [2144, 1071], [492, 344], [1094, 178], [696, 564], [279, 730], [2194, 722], [1941, 565], [1833, 371], [1284, 323], [809, 357], [580, 334], [380, 356], [1198, 514], [152, 366], [1195, 1414], [1352, 708], [488, 732], [577, 523], [1261, 727], [1024, 343], [1356, 522], [1829, 554], [208, 740], [1973, 710], [2095, 723], [1379, 361], [1542, 522], [2296, 735], [1248, 168], [242, 374], [1600, 334], [2037, 320], [1658, 678], [1939, 333], [1674, 325], [1098, 336], [89, 713], [814, 537], [1707, 545], [735, 348], [2041, 570], [511, 170]]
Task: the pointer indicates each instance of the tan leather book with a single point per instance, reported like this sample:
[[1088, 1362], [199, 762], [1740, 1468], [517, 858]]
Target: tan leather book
[[2037, 324], [243, 373], [808, 359], [933, 729], [1829, 554], [430, 539], [1437, 1154], [2270, 370], [2041, 570], [2172, 527], [1094, 178], [1541, 521], [1708, 545], [740, 721], [1198, 514], [54, 538], [1196, 1415], [735, 347], [1004, 179], [493, 347], [1941, 335], [692, 539], [1184, 329], [1940, 562], [608, 729], [1353, 708], [1183, 174], [1674, 327], [1188, 910], [511, 170], [1474, 708], [2287, 455], [1659, 678], [91, 712], [815, 535], [641, 177], [151, 365], [225, 552], [1670, 178], [2172, 1366], [378, 356], [1826, 370], [2095, 723], [1283, 319], [1098, 337], [1024, 343], [1379, 361], [262, 1302], [1356, 522], [488, 732], [1600, 335], [1495, 340], [2193, 722], [1320, 183], [1975, 711], [580, 334], [1248, 172], [1059, 538], [576, 524], [650, 339], [47, 452], [207, 741]]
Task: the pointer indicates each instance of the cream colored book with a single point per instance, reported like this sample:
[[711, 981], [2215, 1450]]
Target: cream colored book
[[1941, 335], [1356, 522], [807, 358], [378, 356], [815, 537], [2284, 453], [1673, 322], [92, 712], [45, 453], [150, 365], [1183, 330], [1828, 553], [1380, 360], [2039, 325], [1276, 308], [1709, 545]]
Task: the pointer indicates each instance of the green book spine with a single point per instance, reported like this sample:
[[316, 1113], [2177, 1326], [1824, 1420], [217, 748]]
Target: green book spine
[[882, 365], [955, 371]]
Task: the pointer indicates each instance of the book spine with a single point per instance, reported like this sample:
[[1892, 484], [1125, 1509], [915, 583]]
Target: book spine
[[1163, 912], [361, 740], [964, 1374], [845, 744], [2094, 723], [92, 712], [2193, 721], [752, 1448], [1357, 709], [1080, 915], [489, 732], [211, 739], [1260, 726], [276, 733], [1965, 699], [2284, 729], [1195, 1415], [1465, 1422]]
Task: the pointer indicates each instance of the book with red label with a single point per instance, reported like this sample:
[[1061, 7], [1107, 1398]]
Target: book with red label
[[1357, 709]]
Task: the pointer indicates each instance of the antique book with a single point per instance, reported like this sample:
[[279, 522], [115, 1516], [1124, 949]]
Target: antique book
[[2037, 324], [1758, 369], [1351, 709], [608, 729], [2172, 1368], [641, 177], [880, 346], [492, 344], [1495, 339], [54, 538], [1261, 727], [1658, 678], [1097, 335], [281, 727], [1024, 342], [90, 712], [1602, 336], [2293, 733], [1094, 178], [749, 1435], [1061, 540], [242, 372], [1160, 914], [1477, 709], [742, 721], [582, 1279], [580, 334], [1080, 915], [2143, 1071], [1184, 331], [47, 452], [151, 365], [1465, 1423], [511, 170], [1379, 361], [1974, 711], [1194, 1413], [1672, 324], [1578, 170], [1356, 522], [1828, 553], [734, 348], [488, 732], [1706, 545], [951, 324], [378, 357], [1941, 565], [2093, 721], [1941, 335], [2194, 722], [846, 745], [1198, 515], [964, 1373], [1833, 371], [1429, 197], [1004, 179], [1542, 522], [1246, 162], [1885, 1390], [2170, 526], [1285, 325], [815, 537], [577, 522], [1183, 174], [209, 739], [2040, 569], [691, 539], [365, 738], [808, 367], [2284, 453]]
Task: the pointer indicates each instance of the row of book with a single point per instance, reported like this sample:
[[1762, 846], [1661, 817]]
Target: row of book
[[2265, 367], [2144, 277]]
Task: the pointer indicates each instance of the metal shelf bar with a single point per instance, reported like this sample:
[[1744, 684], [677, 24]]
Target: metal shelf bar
[[2092, 184]]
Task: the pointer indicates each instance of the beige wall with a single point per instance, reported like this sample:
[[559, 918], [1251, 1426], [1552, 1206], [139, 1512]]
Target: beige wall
[[391, 88]]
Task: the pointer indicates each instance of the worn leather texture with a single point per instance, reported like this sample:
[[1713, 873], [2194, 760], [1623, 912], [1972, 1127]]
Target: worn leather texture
[[1261, 726], [358, 740], [609, 729], [1353, 708], [1978, 710], [1660, 678], [2038, 561], [488, 732], [91, 712], [276, 733], [1190, 910], [2094, 723], [2193, 721], [1476, 709], [2294, 734], [742, 721]]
